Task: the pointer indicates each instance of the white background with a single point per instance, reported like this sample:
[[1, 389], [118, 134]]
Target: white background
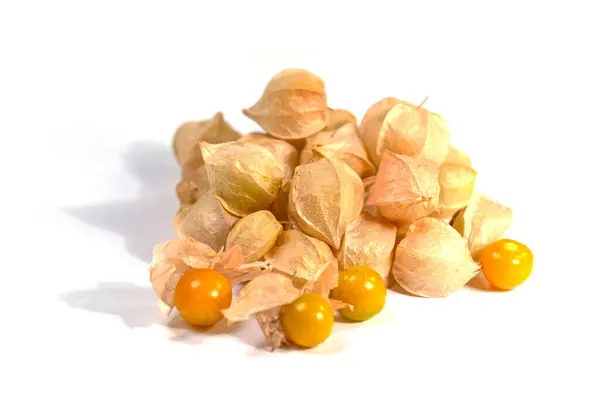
[[91, 93]]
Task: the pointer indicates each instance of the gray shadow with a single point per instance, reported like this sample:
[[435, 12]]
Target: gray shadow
[[147, 220], [134, 305]]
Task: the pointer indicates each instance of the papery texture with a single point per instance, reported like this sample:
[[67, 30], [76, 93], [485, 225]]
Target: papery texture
[[457, 157], [433, 259], [342, 144], [193, 184], [338, 118], [457, 183], [255, 234], [369, 242], [370, 126], [292, 106], [325, 197], [405, 188], [279, 208], [207, 222], [285, 153], [189, 134], [367, 207], [245, 177], [482, 222], [269, 323]]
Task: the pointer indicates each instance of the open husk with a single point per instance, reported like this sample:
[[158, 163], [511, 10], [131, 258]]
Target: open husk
[[245, 177], [482, 222], [457, 157], [371, 124], [255, 234], [369, 242], [189, 134], [292, 106], [433, 259], [206, 221], [193, 184], [285, 153], [325, 197], [457, 183], [405, 188], [338, 118], [342, 144]]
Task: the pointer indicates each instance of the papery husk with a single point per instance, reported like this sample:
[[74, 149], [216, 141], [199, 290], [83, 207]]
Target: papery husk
[[457, 183], [325, 197], [245, 177], [279, 208], [255, 234], [292, 106], [342, 144], [269, 324], [433, 259], [369, 242], [405, 188], [193, 184], [207, 222], [370, 126], [338, 118], [482, 222], [285, 153], [183, 211], [457, 157], [370, 209], [189, 134]]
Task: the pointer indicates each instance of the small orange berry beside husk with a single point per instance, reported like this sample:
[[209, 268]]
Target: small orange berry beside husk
[[432, 260], [292, 106], [457, 183], [255, 234]]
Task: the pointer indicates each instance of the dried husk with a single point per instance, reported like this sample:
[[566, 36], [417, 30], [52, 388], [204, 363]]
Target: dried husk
[[405, 188], [457, 157], [338, 118], [189, 134], [482, 222], [325, 197], [285, 153], [255, 234], [433, 259], [193, 184], [269, 324], [207, 222], [457, 183], [245, 177], [369, 242], [292, 106], [342, 144], [370, 209], [370, 126], [279, 208]]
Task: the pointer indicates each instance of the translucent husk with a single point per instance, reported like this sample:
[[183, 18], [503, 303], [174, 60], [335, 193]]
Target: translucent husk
[[342, 144], [285, 153], [457, 183], [193, 184], [189, 134], [245, 177], [325, 197], [371, 124], [369, 209], [255, 234], [482, 222], [292, 106], [405, 188], [338, 118], [207, 222], [433, 259], [369, 242], [457, 157]]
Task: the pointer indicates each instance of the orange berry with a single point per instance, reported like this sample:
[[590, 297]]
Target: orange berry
[[363, 288], [200, 295], [307, 321], [506, 263]]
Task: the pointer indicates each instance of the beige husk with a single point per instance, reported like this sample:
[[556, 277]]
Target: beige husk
[[405, 188], [269, 324], [245, 177], [342, 144], [255, 234], [207, 222], [457, 157], [338, 118], [189, 134], [193, 184], [371, 124], [457, 183], [285, 153], [433, 259], [325, 197], [292, 106], [370, 209], [369, 242], [482, 222], [279, 208]]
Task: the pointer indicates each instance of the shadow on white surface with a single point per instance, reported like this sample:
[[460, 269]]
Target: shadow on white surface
[[135, 305], [147, 220]]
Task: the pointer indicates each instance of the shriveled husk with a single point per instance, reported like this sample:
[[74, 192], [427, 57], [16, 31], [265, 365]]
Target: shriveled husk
[[338, 118], [405, 188], [457, 157], [405, 129], [255, 234], [457, 183], [482, 222], [189, 134], [433, 259], [292, 106], [342, 144], [369, 242], [245, 177], [207, 222], [193, 184], [285, 153], [325, 197]]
